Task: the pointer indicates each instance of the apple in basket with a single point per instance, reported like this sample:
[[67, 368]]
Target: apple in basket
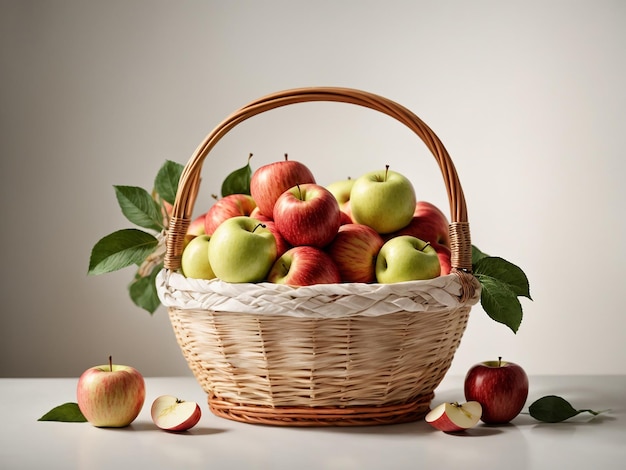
[[268, 182], [341, 190], [454, 417], [501, 388], [304, 266], [110, 395], [429, 223], [406, 258], [233, 205], [382, 199], [195, 258], [242, 249], [172, 414], [307, 214], [354, 250]]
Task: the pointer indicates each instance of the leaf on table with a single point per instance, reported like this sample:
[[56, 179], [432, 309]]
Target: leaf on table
[[500, 302], [555, 409], [139, 207], [238, 182], [166, 180], [121, 249], [67, 412]]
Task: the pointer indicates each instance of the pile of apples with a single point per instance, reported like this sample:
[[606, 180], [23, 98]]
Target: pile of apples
[[291, 230]]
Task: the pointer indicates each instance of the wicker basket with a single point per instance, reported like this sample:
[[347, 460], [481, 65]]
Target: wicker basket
[[341, 354]]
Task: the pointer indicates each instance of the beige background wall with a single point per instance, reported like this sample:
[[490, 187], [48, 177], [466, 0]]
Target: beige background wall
[[528, 97]]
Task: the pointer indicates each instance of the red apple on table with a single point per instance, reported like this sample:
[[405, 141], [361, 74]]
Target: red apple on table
[[354, 250], [454, 417], [172, 414], [429, 223], [307, 214], [111, 395], [233, 205], [304, 266], [500, 387], [268, 182]]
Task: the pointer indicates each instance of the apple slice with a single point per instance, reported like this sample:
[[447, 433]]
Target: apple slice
[[452, 417], [172, 414]]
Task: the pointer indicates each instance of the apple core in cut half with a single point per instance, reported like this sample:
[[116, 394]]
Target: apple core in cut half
[[452, 417], [172, 414]]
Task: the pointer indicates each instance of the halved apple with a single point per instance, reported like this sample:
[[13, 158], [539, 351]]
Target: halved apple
[[453, 417], [172, 414]]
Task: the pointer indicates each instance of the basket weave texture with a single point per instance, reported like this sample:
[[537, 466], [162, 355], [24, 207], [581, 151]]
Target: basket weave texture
[[340, 354]]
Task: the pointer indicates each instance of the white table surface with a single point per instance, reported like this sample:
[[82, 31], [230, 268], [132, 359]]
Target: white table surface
[[217, 443]]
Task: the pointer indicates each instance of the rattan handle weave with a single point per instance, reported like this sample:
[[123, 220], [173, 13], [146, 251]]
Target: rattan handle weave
[[190, 178]]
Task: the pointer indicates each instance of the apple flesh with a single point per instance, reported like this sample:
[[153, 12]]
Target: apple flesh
[[453, 417], [172, 414], [110, 395], [500, 387]]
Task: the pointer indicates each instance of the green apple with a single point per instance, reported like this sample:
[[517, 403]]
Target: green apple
[[341, 190], [195, 258], [242, 249], [406, 258], [382, 199]]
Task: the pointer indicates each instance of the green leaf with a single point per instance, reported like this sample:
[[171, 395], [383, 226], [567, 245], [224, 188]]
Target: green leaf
[[121, 249], [139, 207], [554, 409], [143, 291], [477, 255], [500, 302], [505, 272], [166, 181], [238, 182], [68, 412]]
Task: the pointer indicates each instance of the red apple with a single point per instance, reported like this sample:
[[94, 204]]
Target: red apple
[[110, 395], [256, 214], [354, 250], [233, 205], [500, 387], [444, 254], [453, 417], [307, 214], [172, 414], [304, 266], [429, 223], [282, 245], [270, 181]]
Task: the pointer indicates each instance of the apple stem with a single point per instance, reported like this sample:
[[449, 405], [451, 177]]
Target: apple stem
[[259, 225], [386, 172], [111, 363], [426, 245], [499, 361], [299, 192], [286, 157]]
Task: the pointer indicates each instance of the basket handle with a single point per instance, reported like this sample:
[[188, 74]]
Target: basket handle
[[461, 248]]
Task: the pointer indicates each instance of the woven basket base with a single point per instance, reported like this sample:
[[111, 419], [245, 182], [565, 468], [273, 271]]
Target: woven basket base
[[322, 416]]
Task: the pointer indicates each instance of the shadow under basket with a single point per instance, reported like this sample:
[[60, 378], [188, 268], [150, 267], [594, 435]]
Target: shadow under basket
[[324, 355]]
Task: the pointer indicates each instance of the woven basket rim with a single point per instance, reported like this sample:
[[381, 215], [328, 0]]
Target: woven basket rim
[[316, 301]]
